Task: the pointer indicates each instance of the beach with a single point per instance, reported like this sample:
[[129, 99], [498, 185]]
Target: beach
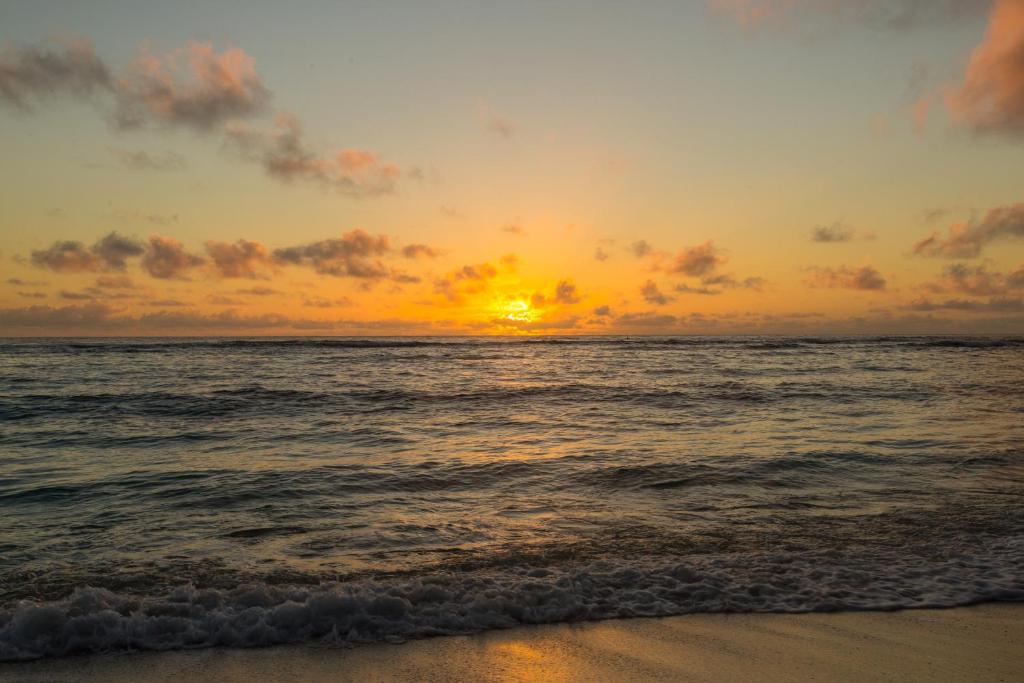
[[980, 643]]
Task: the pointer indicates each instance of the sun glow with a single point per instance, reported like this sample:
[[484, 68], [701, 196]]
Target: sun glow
[[518, 310]]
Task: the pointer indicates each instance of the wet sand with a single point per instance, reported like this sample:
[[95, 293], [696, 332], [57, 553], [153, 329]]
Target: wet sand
[[983, 643]]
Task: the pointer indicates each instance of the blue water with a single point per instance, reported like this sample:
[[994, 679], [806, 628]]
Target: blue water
[[165, 493]]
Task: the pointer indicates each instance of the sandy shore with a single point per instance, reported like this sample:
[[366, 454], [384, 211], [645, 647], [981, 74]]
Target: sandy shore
[[984, 643]]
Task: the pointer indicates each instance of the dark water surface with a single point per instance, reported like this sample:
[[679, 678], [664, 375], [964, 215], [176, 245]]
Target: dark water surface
[[181, 493]]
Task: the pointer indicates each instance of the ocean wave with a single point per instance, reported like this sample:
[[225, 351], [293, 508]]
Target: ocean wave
[[95, 620]]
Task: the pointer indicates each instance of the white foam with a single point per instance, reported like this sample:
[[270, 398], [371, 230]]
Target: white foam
[[97, 620]]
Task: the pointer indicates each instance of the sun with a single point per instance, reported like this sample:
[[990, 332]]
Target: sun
[[517, 310]]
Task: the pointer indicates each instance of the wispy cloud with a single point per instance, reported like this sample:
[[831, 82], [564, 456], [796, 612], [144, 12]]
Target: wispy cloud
[[285, 155], [865, 278], [653, 295], [967, 239], [990, 99], [141, 160], [198, 88]]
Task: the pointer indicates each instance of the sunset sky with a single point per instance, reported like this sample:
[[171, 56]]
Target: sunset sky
[[322, 168]]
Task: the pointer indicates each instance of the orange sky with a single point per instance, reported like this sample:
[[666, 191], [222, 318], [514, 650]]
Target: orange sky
[[739, 166]]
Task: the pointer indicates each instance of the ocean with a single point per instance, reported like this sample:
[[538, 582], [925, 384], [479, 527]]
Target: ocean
[[182, 493]]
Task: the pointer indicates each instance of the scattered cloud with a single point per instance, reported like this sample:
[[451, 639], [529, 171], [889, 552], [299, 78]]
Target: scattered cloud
[[891, 14], [141, 160], [603, 311], [257, 291], [468, 279], [166, 258], [994, 305], [641, 248], [415, 251], [864, 278], [140, 216], [646, 321], [193, 86], [70, 256], [318, 302], [976, 280], [600, 254], [652, 295], [697, 261], [991, 97], [514, 229], [114, 282], [566, 293], [355, 254], [30, 74], [284, 155], [689, 289], [241, 259], [836, 232], [967, 239]]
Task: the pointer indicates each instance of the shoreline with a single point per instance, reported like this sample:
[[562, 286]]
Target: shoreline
[[981, 642]]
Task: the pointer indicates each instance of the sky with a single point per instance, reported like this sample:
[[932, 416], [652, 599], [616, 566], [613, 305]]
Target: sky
[[411, 168]]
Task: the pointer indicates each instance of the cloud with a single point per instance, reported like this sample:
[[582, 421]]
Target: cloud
[[193, 86], [69, 256], [99, 318], [17, 281], [32, 295], [241, 259], [600, 254], [645, 321], [114, 282], [514, 229], [640, 248], [603, 311], [689, 289], [30, 74], [697, 261], [501, 127], [414, 251], [976, 281], [994, 305], [468, 279], [167, 258], [567, 323], [653, 295], [565, 293], [136, 216], [114, 250], [730, 282], [286, 156], [355, 254], [836, 232], [317, 302], [198, 88], [140, 160], [864, 278], [968, 238], [891, 14], [257, 291], [991, 97]]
